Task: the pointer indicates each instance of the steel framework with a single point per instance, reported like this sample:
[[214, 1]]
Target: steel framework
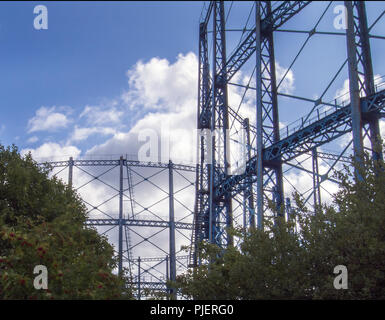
[[148, 274], [272, 151], [225, 197]]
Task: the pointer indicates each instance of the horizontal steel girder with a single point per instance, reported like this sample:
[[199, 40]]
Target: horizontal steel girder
[[130, 163], [158, 259], [138, 223], [150, 285], [335, 157]]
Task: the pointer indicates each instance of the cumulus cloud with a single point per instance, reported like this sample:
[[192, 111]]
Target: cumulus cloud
[[159, 85], [99, 115], [52, 151], [166, 93], [47, 119], [80, 134], [33, 139], [287, 85], [169, 90]]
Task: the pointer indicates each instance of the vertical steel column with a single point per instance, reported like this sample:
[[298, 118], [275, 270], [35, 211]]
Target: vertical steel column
[[212, 179], [167, 269], [203, 173], [225, 129], [204, 123], [267, 110], [120, 266], [288, 209], [275, 118], [211, 182], [212, 173], [316, 180], [70, 171], [172, 228], [167, 274], [249, 201], [222, 213], [365, 60], [139, 281], [353, 83], [128, 247], [259, 122]]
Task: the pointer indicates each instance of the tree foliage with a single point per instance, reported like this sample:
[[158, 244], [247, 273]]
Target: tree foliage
[[42, 222], [290, 260]]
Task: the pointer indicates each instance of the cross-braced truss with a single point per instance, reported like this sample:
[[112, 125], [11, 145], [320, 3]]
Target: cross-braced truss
[[241, 92], [143, 208]]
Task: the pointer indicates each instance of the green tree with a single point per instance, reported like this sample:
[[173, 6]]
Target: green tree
[[42, 222], [283, 262], [350, 232]]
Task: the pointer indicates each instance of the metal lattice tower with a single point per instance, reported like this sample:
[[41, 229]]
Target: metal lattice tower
[[224, 199]]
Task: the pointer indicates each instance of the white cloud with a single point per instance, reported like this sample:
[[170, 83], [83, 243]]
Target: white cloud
[[173, 106], [98, 115], [46, 119], [80, 134], [33, 139], [160, 85], [287, 85], [171, 90], [342, 94], [52, 151]]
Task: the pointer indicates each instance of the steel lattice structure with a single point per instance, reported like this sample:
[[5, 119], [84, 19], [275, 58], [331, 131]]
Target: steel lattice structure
[[272, 151], [225, 197], [120, 179]]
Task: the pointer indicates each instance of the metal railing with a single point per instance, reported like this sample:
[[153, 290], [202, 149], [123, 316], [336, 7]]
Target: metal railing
[[323, 110]]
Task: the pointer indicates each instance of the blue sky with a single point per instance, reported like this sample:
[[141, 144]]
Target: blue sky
[[83, 56], [75, 73]]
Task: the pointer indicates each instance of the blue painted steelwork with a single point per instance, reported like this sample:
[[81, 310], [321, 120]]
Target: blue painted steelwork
[[126, 162], [269, 23], [322, 131], [213, 208], [125, 222], [216, 189], [139, 223]]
